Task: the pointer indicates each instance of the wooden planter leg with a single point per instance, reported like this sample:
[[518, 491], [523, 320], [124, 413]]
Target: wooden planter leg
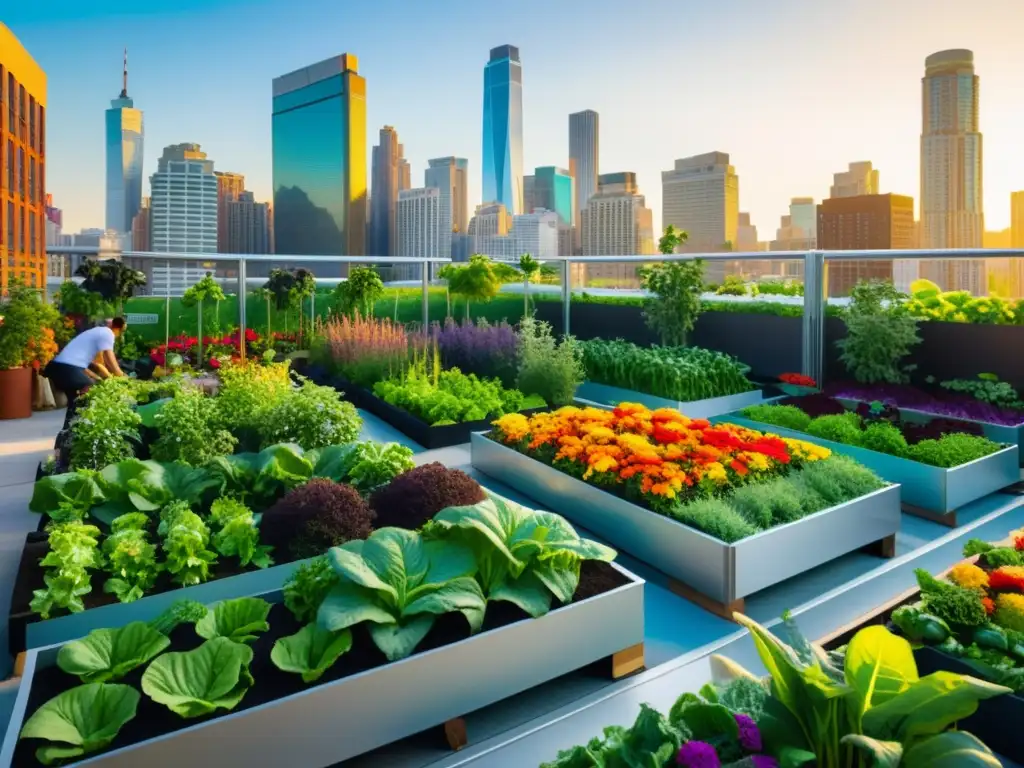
[[19, 664], [948, 519], [627, 661], [725, 610], [455, 733], [885, 548]]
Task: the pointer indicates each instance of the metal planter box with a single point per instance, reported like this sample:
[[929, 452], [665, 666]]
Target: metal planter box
[[604, 395], [326, 724], [25, 634], [723, 573], [935, 491], [999, 433]]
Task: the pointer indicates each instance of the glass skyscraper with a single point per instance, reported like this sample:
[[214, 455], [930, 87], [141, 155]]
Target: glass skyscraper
[[553, 189], [124, 136], [503, 129], [319, 162]]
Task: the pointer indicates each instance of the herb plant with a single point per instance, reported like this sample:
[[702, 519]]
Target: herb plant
[[365, 350], [130, 558], [312, 417], [194, 683], [548, 368], [307, 587], [680, 373], [478, 347], [188, 431], [675, 305], [880, 333], [414, 497], [81, 720], [74, 551], [104, 427], [987, 388], [180, 612]]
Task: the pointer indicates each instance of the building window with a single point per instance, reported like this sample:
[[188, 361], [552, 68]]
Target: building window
[[32, 179], [20, 171], [10, 166], [31, 122]]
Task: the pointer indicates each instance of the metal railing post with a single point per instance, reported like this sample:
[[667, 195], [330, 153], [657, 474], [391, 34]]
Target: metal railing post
[[425, 276], [566, 296], [242, 296], [813, 342]]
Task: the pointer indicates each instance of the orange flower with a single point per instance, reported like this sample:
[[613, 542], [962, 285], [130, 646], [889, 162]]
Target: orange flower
[[990, 607]]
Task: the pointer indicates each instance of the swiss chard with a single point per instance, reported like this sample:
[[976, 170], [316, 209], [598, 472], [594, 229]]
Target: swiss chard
[[399, 583], [524, 556]]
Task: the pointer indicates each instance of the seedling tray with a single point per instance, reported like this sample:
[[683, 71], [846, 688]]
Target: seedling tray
[[608, 396], [704, 569], [359, 709], [931, 492]]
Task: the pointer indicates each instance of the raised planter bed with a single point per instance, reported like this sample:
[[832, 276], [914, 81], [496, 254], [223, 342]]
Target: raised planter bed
[[708, 571], [996, 720], [934, 493], [26, 630], [408, 424], [364, 702], [607, 396]]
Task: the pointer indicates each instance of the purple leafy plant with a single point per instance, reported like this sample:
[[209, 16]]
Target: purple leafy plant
[[478, 347], [940, 402]]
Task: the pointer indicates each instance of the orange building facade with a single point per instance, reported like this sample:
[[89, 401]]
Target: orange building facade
[[22, 165]]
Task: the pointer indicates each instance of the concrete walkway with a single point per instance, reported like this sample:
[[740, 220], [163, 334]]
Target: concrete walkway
[[23, 444]]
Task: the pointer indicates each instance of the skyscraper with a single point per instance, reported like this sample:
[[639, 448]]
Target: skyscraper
[[615, 222], [183, 217], [230, 186], [142, 224], [535, 233], [554, 190], [858, 179], [418, 222], [503, 129], [584, 154], [319, 162], [448, 176], [124, 159], [390, 175], [22, 171], [952, 210], [248, 224]]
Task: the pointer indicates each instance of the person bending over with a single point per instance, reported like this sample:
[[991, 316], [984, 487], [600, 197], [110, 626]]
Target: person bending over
[[69, 371]]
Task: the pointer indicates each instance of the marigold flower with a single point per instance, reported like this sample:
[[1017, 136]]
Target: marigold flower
[[990, 607], [969, 575], [1009, 612]]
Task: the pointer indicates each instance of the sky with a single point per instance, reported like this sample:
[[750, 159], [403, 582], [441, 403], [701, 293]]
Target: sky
[[794, 90]]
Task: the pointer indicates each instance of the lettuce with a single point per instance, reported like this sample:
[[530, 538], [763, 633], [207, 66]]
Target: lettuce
[[310, 652], [110, 654], [66, 497], [193, 683], [238, 620]]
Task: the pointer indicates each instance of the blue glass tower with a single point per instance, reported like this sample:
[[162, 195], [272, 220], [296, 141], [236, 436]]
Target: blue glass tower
[[503, 129], [123, 141], [553, 190]]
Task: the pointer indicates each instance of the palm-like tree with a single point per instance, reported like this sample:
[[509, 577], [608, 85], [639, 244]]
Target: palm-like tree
[[529, 266]]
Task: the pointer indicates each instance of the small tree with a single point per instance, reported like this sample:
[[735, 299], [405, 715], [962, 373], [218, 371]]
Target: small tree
[[358, 293], [113, 280], [207, 289], [289, 289], [676, 286], [474, 281], [529, 267], [880, 333]]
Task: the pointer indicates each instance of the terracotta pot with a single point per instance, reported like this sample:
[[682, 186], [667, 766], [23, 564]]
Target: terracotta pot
[[16, 393]]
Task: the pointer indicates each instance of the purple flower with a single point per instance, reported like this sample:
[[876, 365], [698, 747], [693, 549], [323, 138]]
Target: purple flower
[[750, 736], [480, 348], [764, 761], [698, 754]]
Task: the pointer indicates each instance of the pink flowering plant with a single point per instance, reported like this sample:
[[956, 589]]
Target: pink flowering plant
[[863, 705]]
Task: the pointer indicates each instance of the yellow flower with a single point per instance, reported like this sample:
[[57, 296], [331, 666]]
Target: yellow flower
[[716, 472], [1010, 611], [602, 464], [514, 426], [802, 449], [969, 575]]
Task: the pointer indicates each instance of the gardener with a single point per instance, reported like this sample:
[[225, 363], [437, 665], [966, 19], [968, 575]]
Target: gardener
[[69, 370]]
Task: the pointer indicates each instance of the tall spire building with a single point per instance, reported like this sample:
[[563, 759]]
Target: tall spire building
[[503, 129], [124, 137]]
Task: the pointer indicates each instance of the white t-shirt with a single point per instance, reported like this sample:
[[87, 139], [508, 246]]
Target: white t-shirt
[[82, 349]]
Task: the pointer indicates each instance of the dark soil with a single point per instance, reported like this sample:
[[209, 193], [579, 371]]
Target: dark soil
[[152, 719]]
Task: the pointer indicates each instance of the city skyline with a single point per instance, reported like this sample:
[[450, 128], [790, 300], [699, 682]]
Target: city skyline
[[869, 111]]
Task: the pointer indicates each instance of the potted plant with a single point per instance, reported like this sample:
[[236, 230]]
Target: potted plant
[[22, 339]]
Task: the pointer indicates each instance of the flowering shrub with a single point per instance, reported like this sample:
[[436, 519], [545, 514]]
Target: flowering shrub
[[478, 347], [365, 350], [312, 417], [798, 380], [672, 464], [214, 348]]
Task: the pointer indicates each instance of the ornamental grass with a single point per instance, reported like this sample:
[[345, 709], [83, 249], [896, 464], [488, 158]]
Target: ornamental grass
[[365, 349]]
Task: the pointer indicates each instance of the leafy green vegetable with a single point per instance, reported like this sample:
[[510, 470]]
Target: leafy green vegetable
[[920, 627], [66, 497], [193, 683], [80, 720], [130, 558], [110, 654], [951, 603], [524, 556], [312, 416], [237, 534], [364, 465], [311, 651], [188, 429], [399, 583], [239, 620], [307, 587], [146, 486], [185, 540], [74, 550]]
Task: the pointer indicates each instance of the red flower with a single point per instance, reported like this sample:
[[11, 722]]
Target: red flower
[[798, 379], [214, 363], [1018, 543], [664, 435], [1001, 578], [739, 467], [721, 438]]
